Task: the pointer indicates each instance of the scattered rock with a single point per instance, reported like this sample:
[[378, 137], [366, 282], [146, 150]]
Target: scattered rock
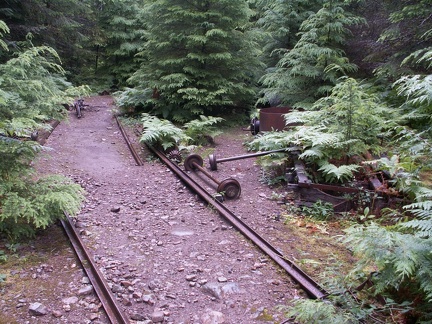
[[149, 299], [87, 290], [213, 289], [37, 309], [93, 316], [138, 317], [70, 300], [57, 313], [213, 317], [157, 316]]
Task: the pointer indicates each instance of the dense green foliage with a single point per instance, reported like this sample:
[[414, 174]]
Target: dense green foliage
[[199, 57], [122, 38], [32, 89], [312, 67], [163, 133], [187, 59]]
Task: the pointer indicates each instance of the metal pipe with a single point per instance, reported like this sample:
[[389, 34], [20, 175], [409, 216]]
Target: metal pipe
[[246, 156], [213, 161], [199, 167]]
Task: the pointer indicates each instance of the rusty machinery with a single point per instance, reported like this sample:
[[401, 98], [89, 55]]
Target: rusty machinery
[[229, 187]]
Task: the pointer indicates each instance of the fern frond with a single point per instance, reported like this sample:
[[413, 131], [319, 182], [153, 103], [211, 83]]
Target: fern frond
[[422, 227], [399, 258], [199, 130], [161, 131], [342, 173], [314, 153]]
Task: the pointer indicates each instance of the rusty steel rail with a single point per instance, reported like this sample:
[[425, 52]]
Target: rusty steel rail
[[114, 313], [313, 289], [135, 155]]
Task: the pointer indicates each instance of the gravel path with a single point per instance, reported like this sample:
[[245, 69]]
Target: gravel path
[[166, 255]]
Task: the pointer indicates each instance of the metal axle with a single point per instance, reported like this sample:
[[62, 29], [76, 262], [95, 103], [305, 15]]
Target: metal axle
[[213, 161], [230, 188]]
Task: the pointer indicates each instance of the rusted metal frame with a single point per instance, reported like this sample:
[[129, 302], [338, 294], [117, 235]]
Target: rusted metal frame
[[328, 187], [115, 315], [135, 155], [313, 289], [304, 182]]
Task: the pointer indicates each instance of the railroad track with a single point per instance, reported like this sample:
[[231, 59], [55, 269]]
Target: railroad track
[[114, 311], [312, 288]]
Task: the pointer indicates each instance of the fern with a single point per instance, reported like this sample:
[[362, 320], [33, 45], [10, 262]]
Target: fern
[[161, 132], [203, 130], [400, 258], [417, 88], [422, 209], [333, 173], [317, 311], [4, 29]]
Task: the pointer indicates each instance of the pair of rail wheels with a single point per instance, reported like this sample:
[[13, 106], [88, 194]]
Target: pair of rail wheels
[[229, 188]]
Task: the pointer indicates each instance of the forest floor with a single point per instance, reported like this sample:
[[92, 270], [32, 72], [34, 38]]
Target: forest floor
[[151, 235]]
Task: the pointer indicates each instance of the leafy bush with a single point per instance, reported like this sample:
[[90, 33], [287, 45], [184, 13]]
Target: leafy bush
[[164, 133], [131, 99], [348, 122], [401, 255], [203, 130], [319, 210], [161, 132], [28, 205], [32, 91]]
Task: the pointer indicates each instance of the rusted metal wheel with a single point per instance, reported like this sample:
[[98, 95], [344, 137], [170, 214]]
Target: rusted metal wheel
[[255, 126], [190, 160], [229, 188], [213, 162]]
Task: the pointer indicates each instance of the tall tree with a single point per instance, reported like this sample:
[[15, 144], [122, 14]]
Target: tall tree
[[410, 22], [199, 56], [312, 67], [65, 25], [281, 22], [121, 38]]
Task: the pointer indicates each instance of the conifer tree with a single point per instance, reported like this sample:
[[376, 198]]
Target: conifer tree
[[312, 67], [121, 38], [409, 28], [32, 89], [199, 57], [64, 25], [281, 21]]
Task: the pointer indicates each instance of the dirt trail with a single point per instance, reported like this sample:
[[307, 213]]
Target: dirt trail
[[165, 254]]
